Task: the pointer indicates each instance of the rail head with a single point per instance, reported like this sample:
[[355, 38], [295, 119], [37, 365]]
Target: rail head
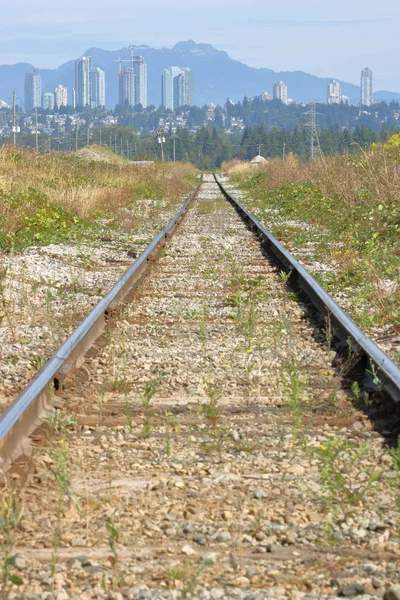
[[382, 367], [32, 405]]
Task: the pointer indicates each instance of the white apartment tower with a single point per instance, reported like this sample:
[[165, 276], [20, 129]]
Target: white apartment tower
[[83, 68], [334, 95], [140, 71], [366, 87], [177, 87], [97, 88], [281, 92], [33, 90], [127, 88], [48, 101], [61, 96]]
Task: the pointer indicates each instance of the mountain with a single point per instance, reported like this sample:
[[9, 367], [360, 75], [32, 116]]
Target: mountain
[[216, 76]]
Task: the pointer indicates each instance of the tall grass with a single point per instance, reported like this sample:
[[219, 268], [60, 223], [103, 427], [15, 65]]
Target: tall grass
[[63, 188]]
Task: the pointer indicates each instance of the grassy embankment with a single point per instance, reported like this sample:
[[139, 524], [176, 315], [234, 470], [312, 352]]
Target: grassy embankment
[[342, 212], [63, 198]]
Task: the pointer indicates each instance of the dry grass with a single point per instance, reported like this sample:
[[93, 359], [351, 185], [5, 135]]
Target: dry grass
[[79, 189], [347, 177]]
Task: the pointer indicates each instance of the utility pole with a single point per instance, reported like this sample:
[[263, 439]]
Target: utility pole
[[161, 141], [36, 131], [127, 148], [174, 141], [88, 136], [284, 152], [14, 96], [100, 136]]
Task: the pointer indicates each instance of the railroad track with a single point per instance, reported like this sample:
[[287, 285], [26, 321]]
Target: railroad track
[[194, 438]]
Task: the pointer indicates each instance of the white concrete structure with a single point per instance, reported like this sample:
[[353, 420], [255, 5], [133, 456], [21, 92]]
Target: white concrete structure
[[83, 67], [281, 92], [366, 87], [97, 88], [61, 96], [334, 94], [33, 90]]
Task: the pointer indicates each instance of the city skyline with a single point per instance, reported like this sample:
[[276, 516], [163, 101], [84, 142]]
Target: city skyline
[[251, 34], [177, 87]]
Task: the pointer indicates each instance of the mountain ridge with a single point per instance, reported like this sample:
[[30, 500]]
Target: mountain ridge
[[216, 76]]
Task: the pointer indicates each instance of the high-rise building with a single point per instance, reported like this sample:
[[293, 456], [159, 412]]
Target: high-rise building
[[61, 96], [73, 97], [83, 68], [127, 90], [366, 87], [33, 90], [189, 87], [334, 95], [140, 71], [280, 92], [48, 101], [97, 88], [177, 87]]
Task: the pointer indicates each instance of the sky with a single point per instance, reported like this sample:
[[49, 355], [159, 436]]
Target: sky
[[329, 39]]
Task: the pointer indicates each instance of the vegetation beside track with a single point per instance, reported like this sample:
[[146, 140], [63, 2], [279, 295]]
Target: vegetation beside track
[[59, 198], [340, 216]]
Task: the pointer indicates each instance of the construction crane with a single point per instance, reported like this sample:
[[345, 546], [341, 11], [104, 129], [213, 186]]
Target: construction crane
[[131, 60]]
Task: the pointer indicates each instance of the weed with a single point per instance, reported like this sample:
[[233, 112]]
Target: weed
[[395, 453], [62, 475], [150, 389], [113, 540], [60, 422], [345, 481], [349, 360], [211, 410], [216, 442], [294, 383], [285, 275], [10, 517]]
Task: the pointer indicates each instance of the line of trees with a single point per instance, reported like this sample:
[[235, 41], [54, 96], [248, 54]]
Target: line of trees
[[208, 147]]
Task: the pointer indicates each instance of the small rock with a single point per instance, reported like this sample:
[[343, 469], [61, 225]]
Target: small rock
[[259, 494], [209, 558], [242, 582], [200, 539], [217, 593], [188, 550], [20, 562], [392, 593], [296, 470], [352, 589], [223, 536]]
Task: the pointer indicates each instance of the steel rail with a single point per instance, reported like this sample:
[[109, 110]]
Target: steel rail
[[29, 409], [381, 368]]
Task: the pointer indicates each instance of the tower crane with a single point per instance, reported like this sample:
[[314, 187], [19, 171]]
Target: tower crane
[[131, 60]]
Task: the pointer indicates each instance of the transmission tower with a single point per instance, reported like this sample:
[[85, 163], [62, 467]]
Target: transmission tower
[[315, 148]]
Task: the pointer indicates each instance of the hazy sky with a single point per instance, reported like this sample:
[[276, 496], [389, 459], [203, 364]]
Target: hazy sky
[[324, 37]]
